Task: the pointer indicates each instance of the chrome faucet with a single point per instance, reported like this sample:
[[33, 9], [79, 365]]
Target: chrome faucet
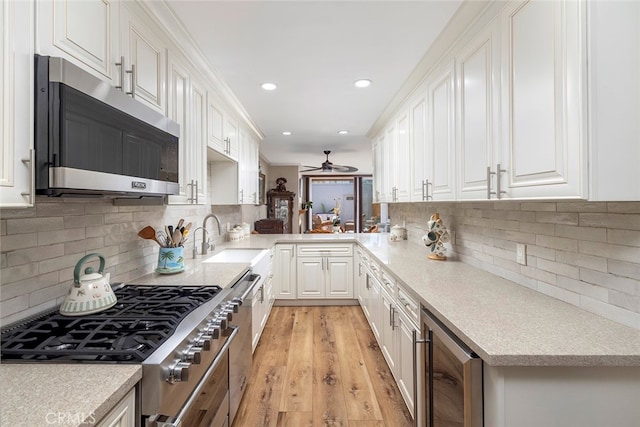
[[205, 233], [205, 243]]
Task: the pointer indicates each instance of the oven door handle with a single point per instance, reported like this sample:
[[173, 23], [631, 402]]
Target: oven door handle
[[255, 280], [159, 420]]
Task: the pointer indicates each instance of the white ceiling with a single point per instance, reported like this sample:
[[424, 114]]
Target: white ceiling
[[314, 51]]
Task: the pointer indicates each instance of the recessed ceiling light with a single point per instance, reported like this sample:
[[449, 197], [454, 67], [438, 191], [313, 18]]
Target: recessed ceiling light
[[269, 86], [343, 132], [362, 83], [286, 133]]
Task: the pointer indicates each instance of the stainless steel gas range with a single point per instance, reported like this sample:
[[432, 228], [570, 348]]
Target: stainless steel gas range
[[182, 337]]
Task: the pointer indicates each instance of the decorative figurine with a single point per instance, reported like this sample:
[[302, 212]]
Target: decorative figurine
[[280, 184], [435, 238]]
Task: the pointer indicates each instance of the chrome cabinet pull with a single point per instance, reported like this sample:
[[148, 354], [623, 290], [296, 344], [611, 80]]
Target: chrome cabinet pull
[[121, 65], [196, 192], [415, 341], [32, 177], [499, 171], [241, 196], [489, 192], [132, 71]]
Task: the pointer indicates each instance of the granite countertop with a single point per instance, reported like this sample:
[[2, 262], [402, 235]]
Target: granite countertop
[[39, 394]]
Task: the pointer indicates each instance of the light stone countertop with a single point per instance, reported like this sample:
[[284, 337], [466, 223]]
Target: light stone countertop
[[505, 323], [56, 394]]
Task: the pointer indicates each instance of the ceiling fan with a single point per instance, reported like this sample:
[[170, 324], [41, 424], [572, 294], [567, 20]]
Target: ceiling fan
[[327, 166]]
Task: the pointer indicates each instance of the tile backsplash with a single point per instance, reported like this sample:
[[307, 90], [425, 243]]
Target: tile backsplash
[[584, 253], [40, 246]]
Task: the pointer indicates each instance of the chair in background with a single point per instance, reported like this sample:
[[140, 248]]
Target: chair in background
[[319, 224]]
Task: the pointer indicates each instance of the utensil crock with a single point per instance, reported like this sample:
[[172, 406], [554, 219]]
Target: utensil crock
[[90, 292]]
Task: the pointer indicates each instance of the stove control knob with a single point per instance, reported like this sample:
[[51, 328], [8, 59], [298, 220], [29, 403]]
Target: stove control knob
[[193, 354], [204, 341], [228, 313], [233, 306], [179, 372], [214, 327], [237, 300]]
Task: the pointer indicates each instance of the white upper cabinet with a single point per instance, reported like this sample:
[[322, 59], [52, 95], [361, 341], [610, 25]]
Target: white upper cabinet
[[231, 137], [543, 100], [614, 96], [16, 104], [420, 167], [536, 100], [83, 32], [440, 135], [248, 169], [145, 56], [477, 119], [215, 138], [401, 154], [378, 168], [197, 147], [178, 111]]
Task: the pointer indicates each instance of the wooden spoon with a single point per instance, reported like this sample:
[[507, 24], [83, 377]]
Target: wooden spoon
[[149, 233], [177, 238]]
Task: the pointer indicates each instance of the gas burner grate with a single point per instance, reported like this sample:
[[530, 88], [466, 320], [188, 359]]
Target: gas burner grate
[[143, 318]]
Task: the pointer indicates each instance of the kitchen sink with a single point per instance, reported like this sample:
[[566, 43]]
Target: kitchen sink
[[251, 256]]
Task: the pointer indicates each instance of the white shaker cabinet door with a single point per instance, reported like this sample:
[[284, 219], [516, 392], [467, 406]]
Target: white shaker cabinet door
[[420, 170], [145, 57], [339, 277], [197, 144], [83, 32], [178, 94], [478, 71], [543, 103], [16, 105], [441, 137], [284, 271], [311, 278], [401, 157]]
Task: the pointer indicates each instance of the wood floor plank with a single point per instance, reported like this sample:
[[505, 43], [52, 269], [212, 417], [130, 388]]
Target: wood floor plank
[[297, 395], [360, 398], [394, 410], [260, 405], [329, 402], [295, 419], [328, 394], [311, 368]]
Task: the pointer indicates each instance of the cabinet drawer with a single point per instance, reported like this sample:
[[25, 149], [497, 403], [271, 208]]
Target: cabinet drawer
[[388, 282], [408, 304], [325, 250]]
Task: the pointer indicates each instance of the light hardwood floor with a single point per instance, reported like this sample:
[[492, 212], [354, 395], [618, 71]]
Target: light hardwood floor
[[320, 366]]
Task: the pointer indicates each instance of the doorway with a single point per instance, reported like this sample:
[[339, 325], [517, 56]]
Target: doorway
[[350, 196]]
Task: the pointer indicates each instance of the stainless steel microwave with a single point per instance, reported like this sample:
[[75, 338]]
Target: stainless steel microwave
[[93, 139]]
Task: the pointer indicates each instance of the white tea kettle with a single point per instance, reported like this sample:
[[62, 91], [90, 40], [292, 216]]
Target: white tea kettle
[[90, 293]]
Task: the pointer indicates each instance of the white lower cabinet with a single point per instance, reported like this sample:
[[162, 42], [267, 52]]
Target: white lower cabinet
[[325, 277], [261, 303], [405, 374], [393, 317], [284, 271], [124, 414], [388, 334], [325, 271]]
